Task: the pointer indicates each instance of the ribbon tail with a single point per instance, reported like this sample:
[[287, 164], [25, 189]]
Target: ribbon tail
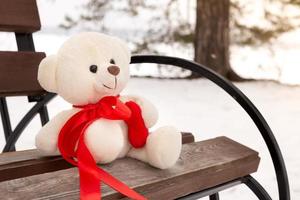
[[91, 175], [73, 132], [69, 135], [119, 186], [90, 186]]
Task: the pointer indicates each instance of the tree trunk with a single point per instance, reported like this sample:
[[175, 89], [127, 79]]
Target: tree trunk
[[212, 36]]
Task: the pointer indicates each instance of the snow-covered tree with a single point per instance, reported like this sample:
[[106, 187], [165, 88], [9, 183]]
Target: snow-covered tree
[[206, 27]]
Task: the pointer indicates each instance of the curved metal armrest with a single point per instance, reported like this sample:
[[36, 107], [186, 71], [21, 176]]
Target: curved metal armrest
[[9, 146], [242, 99]]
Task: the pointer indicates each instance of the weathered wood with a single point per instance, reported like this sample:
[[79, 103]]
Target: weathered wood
[[20, 164], [19, 16], [18, 73], [187, 138], [202, 165]]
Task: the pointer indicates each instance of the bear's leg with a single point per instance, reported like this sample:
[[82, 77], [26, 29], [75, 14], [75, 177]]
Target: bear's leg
[[139, 154], [46, 139], [162, 149]]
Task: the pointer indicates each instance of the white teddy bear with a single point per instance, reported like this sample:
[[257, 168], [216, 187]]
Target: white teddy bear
[[88, 67]]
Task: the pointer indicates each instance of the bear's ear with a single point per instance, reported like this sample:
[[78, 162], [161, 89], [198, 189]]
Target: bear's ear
[[125, 49], [47, 73]]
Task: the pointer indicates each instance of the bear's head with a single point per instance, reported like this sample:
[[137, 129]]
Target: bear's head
[[86, 68]]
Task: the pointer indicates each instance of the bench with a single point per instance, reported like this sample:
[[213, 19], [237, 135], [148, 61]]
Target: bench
[[204, 167]]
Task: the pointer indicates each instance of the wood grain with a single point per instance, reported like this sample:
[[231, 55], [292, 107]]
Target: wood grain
[[30, 162], [19, 16], [202, 165], [18, 73]]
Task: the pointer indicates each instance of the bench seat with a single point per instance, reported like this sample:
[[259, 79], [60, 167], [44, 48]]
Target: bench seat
[[201, 165]]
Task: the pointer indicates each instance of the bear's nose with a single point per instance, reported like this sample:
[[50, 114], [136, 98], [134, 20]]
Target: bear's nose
[[114, 70]]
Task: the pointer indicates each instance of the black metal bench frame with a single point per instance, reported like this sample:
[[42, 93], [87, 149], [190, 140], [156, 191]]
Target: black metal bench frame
[[24, 43], [234, 92]]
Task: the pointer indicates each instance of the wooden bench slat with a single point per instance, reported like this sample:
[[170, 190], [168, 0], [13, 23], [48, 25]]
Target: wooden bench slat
[[202, 165], [30, 162], [187, 138], [18, 73], [19, 16]]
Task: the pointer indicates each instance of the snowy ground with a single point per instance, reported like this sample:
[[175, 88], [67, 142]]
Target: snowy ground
[[207, 111]]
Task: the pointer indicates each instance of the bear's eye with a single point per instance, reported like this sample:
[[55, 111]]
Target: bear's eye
[[93, 68], [112, 61]]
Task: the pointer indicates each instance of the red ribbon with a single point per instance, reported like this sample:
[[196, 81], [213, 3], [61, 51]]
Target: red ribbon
[[73, 131]]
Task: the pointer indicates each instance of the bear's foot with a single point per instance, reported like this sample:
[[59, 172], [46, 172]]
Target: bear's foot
[[163, 147]]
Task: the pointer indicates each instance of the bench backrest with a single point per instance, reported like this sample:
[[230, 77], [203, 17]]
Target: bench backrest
[[18, 70], [19, 16]]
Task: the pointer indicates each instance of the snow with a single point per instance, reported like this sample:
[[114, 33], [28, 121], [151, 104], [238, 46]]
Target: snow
[[200, 107]]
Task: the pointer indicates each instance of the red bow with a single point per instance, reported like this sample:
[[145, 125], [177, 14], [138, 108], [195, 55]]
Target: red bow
[[73, 131]]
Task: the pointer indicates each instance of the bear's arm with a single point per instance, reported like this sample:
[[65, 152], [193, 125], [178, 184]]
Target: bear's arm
[[46, 139], [149, 111]]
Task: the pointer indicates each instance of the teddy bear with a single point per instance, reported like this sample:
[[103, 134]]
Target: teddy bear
[[88, 67]]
